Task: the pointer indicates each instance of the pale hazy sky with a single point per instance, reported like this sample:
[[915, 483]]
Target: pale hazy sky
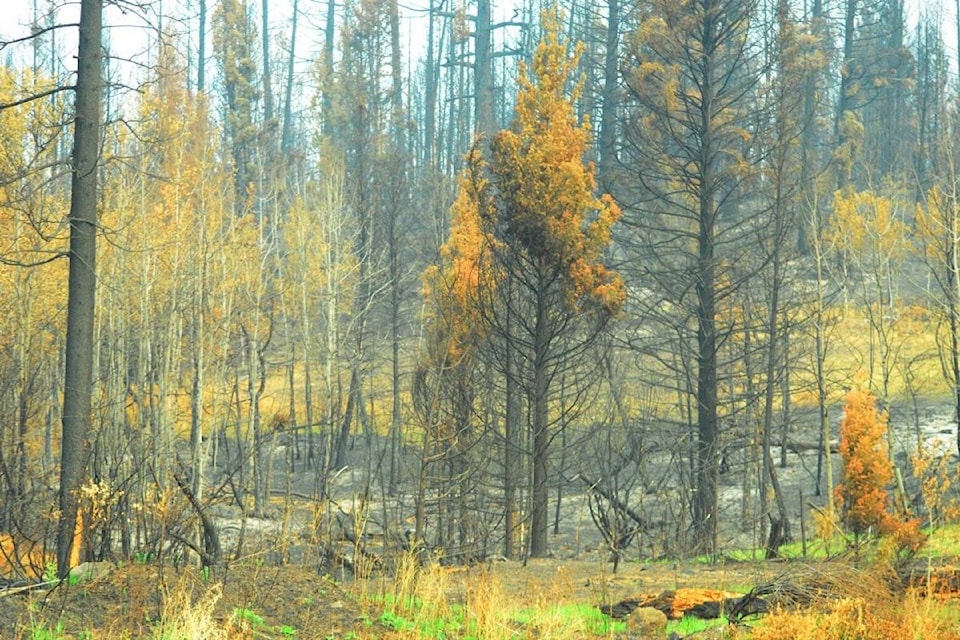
[[129, 35]]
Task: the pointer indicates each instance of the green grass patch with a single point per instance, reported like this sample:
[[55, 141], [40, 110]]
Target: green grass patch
[[412, 616], [426, 627], [43, 632], [688, 625], [248, 616], [579, 619], [943, 542], [253, 620], [570, 620]]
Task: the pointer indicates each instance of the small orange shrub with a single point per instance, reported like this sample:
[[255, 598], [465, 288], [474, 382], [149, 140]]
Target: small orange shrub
[[22, 559], [866, 472], [908, 535]]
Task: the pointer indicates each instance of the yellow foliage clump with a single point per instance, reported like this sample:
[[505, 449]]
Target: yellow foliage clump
[[937, 474]]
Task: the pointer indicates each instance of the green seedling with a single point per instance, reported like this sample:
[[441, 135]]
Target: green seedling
[[689, 625], [42, 632], [248, 616]]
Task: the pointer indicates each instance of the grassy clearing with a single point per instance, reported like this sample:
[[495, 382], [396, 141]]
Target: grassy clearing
[[916, 373], [437, 603], [871, 611], [943, 542], [418, 605], [558, 622]]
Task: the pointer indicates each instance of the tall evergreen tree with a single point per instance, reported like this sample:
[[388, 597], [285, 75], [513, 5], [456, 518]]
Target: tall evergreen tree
[[81, 300], [692, 73], [544, 231]]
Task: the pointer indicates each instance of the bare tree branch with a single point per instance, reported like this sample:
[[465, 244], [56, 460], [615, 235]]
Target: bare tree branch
[[34, 33], [35, 263], [35, 96]]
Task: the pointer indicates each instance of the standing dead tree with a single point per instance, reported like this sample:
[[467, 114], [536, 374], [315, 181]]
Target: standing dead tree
[[615, 520]]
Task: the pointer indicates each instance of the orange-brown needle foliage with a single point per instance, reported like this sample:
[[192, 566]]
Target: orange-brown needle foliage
[[535, 199], [451, 287], [867, 472], [547, 203]]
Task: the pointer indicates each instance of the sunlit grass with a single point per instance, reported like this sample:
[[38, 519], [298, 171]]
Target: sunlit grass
[[568, 621], [560, 621], [853, 618], [688, 625], [944, 541], [915, 372], [417, 605]]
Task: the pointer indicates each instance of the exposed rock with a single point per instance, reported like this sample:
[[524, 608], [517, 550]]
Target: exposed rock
[[646, 622], [91, 570]]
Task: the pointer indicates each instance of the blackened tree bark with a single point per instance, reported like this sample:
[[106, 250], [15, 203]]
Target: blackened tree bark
[[693, 73], [234, 35], [431, 80], [850, 74], [81, 297], [267, 78]]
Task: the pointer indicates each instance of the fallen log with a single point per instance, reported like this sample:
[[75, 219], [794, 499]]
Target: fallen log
[[701, 603], [210, 554], [731, 608]]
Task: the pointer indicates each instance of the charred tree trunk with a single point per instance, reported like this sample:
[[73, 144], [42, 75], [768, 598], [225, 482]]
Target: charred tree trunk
[[81, 296]]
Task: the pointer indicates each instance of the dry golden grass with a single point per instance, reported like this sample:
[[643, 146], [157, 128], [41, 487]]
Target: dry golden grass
[[416, 594], [915, 618], [184, 616], [915, 372], [486, 605], [915, 367], [435, 601], [843, 601]]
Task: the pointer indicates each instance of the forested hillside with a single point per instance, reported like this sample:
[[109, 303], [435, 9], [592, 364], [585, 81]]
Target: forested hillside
[[486, 256]]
